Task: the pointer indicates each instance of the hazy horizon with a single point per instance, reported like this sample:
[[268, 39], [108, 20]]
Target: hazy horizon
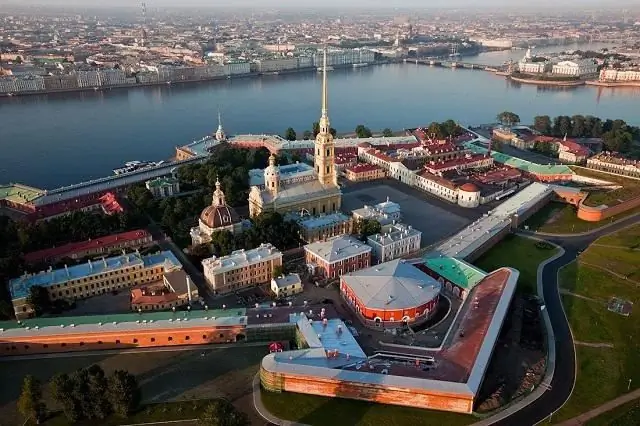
[[340, 4]]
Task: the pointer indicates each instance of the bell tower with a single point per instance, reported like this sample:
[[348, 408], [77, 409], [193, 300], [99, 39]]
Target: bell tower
[[272, 176], [324, 146]]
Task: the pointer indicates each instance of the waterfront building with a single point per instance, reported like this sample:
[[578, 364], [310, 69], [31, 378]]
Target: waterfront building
[[287, 285], [113, 77], [531, 65], [332, 258], [163, 187], [577, 68], [614, 163], [391, 294], [397, 240], [148, 77], [175, 290], [220, 135], [572, 152], [344, 57], [217, 217], [60, 82], [469, 161], [323, 226], [615, 75], [275, 65], [235, 68], [92, 278], [28, 83], [385, 213], [87, 79], [242, 268], [98, 246], [437, 185], [364, 172], [321, 195]]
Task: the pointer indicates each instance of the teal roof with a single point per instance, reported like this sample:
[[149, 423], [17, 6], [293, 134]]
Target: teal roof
[[120, 318], [520, 164], [456, 271]]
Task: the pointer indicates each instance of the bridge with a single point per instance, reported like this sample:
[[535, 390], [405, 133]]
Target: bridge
[[456, 63]]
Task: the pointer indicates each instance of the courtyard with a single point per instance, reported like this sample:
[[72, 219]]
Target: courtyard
[[436, 219]]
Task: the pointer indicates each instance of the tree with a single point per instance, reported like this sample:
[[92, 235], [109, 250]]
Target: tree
[[508, 118], [290, 134], [38, 299], [387, 133], [307, 135], [451, 128], [362, 131], [30, 403], [315, 128], [367, 227], [435, 130], [277, 271], [542, 123], [62, 391], [333, 132], [222, 413], [19, 59], [562, 126], [578, 128], [201, 251], [123, 393]]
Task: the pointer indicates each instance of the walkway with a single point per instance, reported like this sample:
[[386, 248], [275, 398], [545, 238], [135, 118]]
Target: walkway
[[607, 406], [579, 296], [593, 345]]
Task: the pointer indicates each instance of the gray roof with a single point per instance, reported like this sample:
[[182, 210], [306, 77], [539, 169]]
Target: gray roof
[[392, 285], [338, 248], [287, 280], [299, 191]]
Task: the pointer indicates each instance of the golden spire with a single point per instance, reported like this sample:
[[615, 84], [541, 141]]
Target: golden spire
[[324, 118]]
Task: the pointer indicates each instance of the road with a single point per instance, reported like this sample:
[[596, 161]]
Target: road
[[563, 379]]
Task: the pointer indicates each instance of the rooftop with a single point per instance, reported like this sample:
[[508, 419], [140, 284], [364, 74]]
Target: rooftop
[[103, 242], [296, 191], [241, 258], [455, 270], [362, 167], [256, 176], [119, 323], [525, 166], [314, 222], [161, 181], [392, 285], [287, 280], [395, 232], [19, 287], [338, 248], [19, 194]]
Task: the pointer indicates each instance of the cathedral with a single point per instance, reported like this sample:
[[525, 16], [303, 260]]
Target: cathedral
[[316, 196], [217, 217]]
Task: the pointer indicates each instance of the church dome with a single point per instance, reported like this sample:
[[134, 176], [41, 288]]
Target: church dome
[[219, 216]]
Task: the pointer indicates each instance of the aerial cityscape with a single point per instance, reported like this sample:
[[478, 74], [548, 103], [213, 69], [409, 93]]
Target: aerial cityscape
[[291, 214]]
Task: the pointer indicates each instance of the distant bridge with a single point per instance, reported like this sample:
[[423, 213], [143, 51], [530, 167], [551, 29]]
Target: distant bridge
[[453, 63]]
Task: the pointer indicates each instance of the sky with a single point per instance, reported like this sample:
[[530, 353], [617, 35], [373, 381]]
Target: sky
[[422, 4]]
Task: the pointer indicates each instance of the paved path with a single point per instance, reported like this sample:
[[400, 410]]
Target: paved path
[[593, 345], [615, 247], [607, 406], [579, 296]]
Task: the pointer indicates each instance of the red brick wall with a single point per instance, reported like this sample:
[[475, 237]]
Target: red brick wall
[[595, 214]]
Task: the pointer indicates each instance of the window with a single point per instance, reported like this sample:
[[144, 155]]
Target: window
[[81, 343], [221, 335], [45, 346], [187, 337], [117, 342], [135, 340], [153, 339]]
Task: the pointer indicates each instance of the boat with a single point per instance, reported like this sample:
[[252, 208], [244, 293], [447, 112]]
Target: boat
[[360, 65], [132, 166], [328, 69]]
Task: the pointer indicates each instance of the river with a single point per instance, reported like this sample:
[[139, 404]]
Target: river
[[52, 140]]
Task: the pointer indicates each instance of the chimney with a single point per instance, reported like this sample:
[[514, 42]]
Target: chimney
[[67, 270], [90, 265]]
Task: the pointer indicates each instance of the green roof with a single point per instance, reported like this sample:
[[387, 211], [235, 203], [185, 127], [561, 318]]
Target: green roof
[[456, 271], [120, 318], [520, 164], [19, 193]]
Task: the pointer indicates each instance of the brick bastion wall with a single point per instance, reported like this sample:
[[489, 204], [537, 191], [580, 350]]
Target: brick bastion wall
[[383, 394], [596, 214]]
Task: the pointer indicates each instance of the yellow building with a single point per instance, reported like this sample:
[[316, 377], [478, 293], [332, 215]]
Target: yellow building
[[317, 196]]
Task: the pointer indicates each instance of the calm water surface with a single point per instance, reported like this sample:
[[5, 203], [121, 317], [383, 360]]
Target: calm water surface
[[54, 140]]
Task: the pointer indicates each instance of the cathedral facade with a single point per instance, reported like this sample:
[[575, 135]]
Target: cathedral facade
[[321, 195]]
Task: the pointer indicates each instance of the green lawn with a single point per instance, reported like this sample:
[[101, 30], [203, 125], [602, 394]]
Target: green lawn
[[322, 411], [561, 218], [630, 188], [520, 253], [625, 415], [629, 238], [622, 261], [603, 373]]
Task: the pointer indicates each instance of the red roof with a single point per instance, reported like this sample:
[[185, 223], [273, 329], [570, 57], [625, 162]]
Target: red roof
[[362, 167], [497, 175], [445, 165], [574, 147], [81, 247], [470, 187]]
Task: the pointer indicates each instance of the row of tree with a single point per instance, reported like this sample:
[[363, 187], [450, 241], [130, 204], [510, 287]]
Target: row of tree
[[361, 131], [87, 393], [616, 135]]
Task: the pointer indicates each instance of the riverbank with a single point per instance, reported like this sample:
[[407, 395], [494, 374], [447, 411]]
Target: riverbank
[[547, 82], [613, 83]]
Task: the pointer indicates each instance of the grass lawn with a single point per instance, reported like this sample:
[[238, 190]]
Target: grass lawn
[[625, 415], [628, 238], [561, 218], [321, 411], [630, 188], [520, 253], [603, 373]]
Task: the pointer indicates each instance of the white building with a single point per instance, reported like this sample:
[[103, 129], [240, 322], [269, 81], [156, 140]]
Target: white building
[[527, 65], [89, 79], [29, 83], [577, 68], [242, 268], [235, 68], [399, 240], [163, 187], [287, 285], [113, 77], [385, 213], [274, 65], [619, 75]]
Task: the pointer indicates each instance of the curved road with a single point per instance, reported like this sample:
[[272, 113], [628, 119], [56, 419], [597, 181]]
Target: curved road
[[564, 375]]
